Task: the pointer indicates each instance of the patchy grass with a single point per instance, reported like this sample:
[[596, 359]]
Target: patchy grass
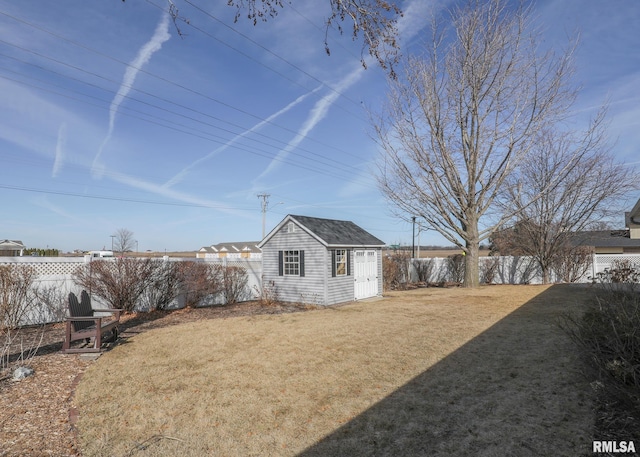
[[423, 372]]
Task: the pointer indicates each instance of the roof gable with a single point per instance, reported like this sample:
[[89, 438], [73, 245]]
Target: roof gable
[[634, 214], [12, 244], [330, 232]]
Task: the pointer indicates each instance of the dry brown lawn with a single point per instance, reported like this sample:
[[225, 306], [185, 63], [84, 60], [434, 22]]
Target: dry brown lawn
[[435, 372]]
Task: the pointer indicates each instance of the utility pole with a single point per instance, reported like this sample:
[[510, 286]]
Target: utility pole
[[265, 205]]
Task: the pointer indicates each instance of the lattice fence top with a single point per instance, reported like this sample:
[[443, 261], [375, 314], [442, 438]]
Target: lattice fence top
[[47, 266], [603, 261]]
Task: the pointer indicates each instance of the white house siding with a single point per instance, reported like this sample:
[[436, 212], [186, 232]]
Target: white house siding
[[309, 288]]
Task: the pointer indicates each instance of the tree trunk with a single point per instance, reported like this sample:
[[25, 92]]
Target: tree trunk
[[471, 260], [545, 273]]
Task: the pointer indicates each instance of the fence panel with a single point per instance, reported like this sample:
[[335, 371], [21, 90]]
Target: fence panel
[[608, 261], [55, 281], [508, 269]]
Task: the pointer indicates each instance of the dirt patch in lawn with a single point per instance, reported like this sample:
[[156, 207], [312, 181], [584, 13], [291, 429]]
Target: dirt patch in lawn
[[423, 372]]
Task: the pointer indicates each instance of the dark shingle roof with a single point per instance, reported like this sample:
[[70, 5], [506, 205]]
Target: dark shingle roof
[[604, 238], [334, 232]]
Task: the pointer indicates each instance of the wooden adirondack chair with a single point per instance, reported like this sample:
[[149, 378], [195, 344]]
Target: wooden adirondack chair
[[82, 323]]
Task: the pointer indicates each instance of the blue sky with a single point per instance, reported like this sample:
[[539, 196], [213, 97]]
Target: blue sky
[[109, 119]]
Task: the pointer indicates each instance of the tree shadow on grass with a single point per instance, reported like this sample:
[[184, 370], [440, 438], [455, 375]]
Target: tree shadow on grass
[[517, 389]]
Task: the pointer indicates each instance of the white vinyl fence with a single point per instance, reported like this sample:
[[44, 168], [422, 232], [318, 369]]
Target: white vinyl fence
[[608, 261], [55, 281], [55, 276], [511, 269]]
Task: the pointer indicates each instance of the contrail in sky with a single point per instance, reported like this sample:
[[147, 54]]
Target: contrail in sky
[[144, 55], [60, 145], [406, 28], [319, 111], [178, 177], [173, 194]]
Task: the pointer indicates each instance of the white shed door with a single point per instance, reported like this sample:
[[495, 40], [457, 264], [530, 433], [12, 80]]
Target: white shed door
[[366, 274]]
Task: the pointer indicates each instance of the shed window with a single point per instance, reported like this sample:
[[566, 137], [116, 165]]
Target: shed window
[[291, 263], [340, 262]]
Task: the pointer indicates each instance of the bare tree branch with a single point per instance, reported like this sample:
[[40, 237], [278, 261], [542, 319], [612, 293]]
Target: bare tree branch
[[461, 118], [373, 20], [570, 181]]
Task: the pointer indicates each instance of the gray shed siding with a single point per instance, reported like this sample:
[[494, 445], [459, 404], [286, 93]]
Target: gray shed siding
[[311, 288], [340, 288]]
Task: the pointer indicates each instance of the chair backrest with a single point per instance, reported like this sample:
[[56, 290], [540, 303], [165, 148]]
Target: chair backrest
[[80, 309]]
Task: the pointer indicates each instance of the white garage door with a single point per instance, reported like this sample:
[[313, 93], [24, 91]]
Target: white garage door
[[366, 274]]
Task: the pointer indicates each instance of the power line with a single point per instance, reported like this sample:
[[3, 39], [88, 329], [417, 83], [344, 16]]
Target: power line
[[165, 80], [120, 199]]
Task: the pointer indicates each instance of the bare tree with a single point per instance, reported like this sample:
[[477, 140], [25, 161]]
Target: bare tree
[[570, 181], [463, 116], [123, 241], [374, 20]]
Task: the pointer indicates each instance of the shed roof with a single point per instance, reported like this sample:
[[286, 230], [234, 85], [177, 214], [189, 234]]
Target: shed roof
[[330, 232]]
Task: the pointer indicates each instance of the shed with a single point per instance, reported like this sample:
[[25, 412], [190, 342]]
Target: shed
[[322, 261]]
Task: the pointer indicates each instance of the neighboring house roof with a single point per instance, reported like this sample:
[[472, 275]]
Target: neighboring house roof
[[632, 218], [241, 246], [604, 239], [330, 232], [237, 247], [11, 245]]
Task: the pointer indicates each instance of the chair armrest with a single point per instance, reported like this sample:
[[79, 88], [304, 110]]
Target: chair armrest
[[108, 310], [83, 318]]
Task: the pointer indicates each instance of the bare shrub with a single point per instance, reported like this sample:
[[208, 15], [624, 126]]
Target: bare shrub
[[16, 294], [455, 268], [268, 293], [164, 288], [623, 278], [50, 304], [608, 334], [424, 269], [489, 269], [310, 301], [573, 263], [199, 281], [120, 282], [395, 271], [17, 351], [234, 283]]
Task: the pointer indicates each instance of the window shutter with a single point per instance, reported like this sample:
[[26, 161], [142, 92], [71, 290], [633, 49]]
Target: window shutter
[[280, 264], [301, 263], [348, 262], [333, 263]]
